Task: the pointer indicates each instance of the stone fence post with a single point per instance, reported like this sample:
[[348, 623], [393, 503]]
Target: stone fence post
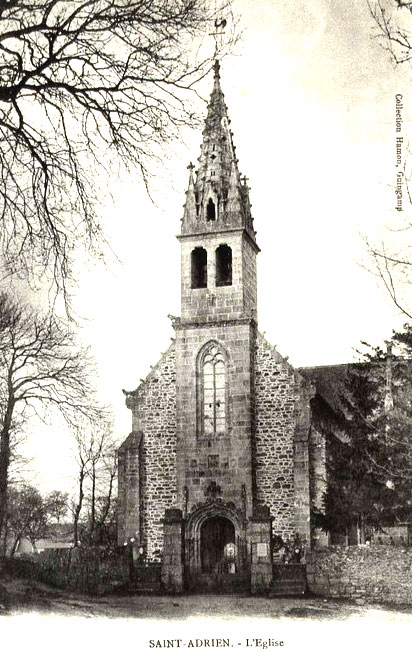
[[173, 551], [260, 538]]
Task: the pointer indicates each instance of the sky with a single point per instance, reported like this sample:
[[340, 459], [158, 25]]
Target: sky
[[311, 97]]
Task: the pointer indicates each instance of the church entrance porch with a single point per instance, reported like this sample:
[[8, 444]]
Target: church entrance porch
[[216, 551]]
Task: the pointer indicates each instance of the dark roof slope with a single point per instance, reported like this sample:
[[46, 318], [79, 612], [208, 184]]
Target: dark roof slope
[[329, 382]]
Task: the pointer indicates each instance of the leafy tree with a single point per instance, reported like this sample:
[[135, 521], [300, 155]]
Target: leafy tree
[[353, 487], [394, 464], [27, 515], [81, 83], [369, 462], [41, 367]]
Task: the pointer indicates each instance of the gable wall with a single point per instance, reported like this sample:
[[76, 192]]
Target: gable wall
[[274, 436], [154, 414]]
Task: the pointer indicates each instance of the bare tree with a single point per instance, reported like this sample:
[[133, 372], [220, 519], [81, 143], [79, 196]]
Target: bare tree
[[394, 271], [96, 460], [106, 502], [391, 261], [82, 82], [57, 504], [393, 21], [83, 461], [19, 465], [41, 368]]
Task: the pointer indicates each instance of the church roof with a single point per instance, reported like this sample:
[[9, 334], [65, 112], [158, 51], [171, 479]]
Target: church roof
[[329, 381], [217, 198]]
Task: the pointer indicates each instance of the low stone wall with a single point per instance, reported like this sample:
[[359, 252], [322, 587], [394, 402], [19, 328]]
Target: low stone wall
[[380, 574], [89, 570]]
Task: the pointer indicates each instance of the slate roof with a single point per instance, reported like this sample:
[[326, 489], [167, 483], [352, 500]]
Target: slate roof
[[329, 381]]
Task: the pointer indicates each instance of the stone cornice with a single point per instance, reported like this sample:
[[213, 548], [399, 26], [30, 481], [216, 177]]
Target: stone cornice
[[180, 324], [213, 234]]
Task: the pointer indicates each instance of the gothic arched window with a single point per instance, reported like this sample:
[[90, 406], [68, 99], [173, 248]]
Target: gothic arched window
[[199, 267], [213, 391]]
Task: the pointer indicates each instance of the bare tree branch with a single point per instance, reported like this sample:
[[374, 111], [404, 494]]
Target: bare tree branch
[[393, 29], [83, 83], [40, 364]]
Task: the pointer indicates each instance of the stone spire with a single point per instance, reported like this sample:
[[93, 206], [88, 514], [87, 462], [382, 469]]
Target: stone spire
[[217, 200], [190, 205]]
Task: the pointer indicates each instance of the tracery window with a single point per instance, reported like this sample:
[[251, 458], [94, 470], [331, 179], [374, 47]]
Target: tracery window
[[212, 396]]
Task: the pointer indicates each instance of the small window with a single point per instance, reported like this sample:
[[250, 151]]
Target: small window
[[210, 211], [223, 265], [199, 268]]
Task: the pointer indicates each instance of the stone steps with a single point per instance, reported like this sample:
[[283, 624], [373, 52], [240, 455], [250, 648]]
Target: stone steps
[[287, 589], [135, 587], [146, 579], [288, 580]]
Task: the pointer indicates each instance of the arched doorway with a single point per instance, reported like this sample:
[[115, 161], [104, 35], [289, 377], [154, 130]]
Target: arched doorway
[[217, 546], [216, 558]]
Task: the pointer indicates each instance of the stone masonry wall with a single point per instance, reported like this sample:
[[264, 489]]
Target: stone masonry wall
[[249, 277], [274, 438], [225, 459], [318, 482], [378, 573], [128, 494], [220, 303], [317, 469], [155, 416]]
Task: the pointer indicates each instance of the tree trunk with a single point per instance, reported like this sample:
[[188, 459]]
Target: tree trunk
[[5, 461], [93, 503], [3, 540], [361, 528], [78, 508], [15, 545], [106, 509]]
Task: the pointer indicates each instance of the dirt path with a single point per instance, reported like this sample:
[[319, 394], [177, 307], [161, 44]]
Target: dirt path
[[33, 597]]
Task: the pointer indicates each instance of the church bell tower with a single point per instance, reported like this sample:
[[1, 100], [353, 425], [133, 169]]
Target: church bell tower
[[215, 349], [217, 237], [218, 457]]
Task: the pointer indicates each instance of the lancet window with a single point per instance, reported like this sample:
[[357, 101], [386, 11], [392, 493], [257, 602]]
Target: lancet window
[[199, 268], [213, 392], [223, 265]]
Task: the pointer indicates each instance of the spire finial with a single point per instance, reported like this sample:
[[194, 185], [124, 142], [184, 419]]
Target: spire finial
[[217, 69], [190, 167]]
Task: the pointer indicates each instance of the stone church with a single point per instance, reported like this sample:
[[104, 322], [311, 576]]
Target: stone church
[[223, 454]]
